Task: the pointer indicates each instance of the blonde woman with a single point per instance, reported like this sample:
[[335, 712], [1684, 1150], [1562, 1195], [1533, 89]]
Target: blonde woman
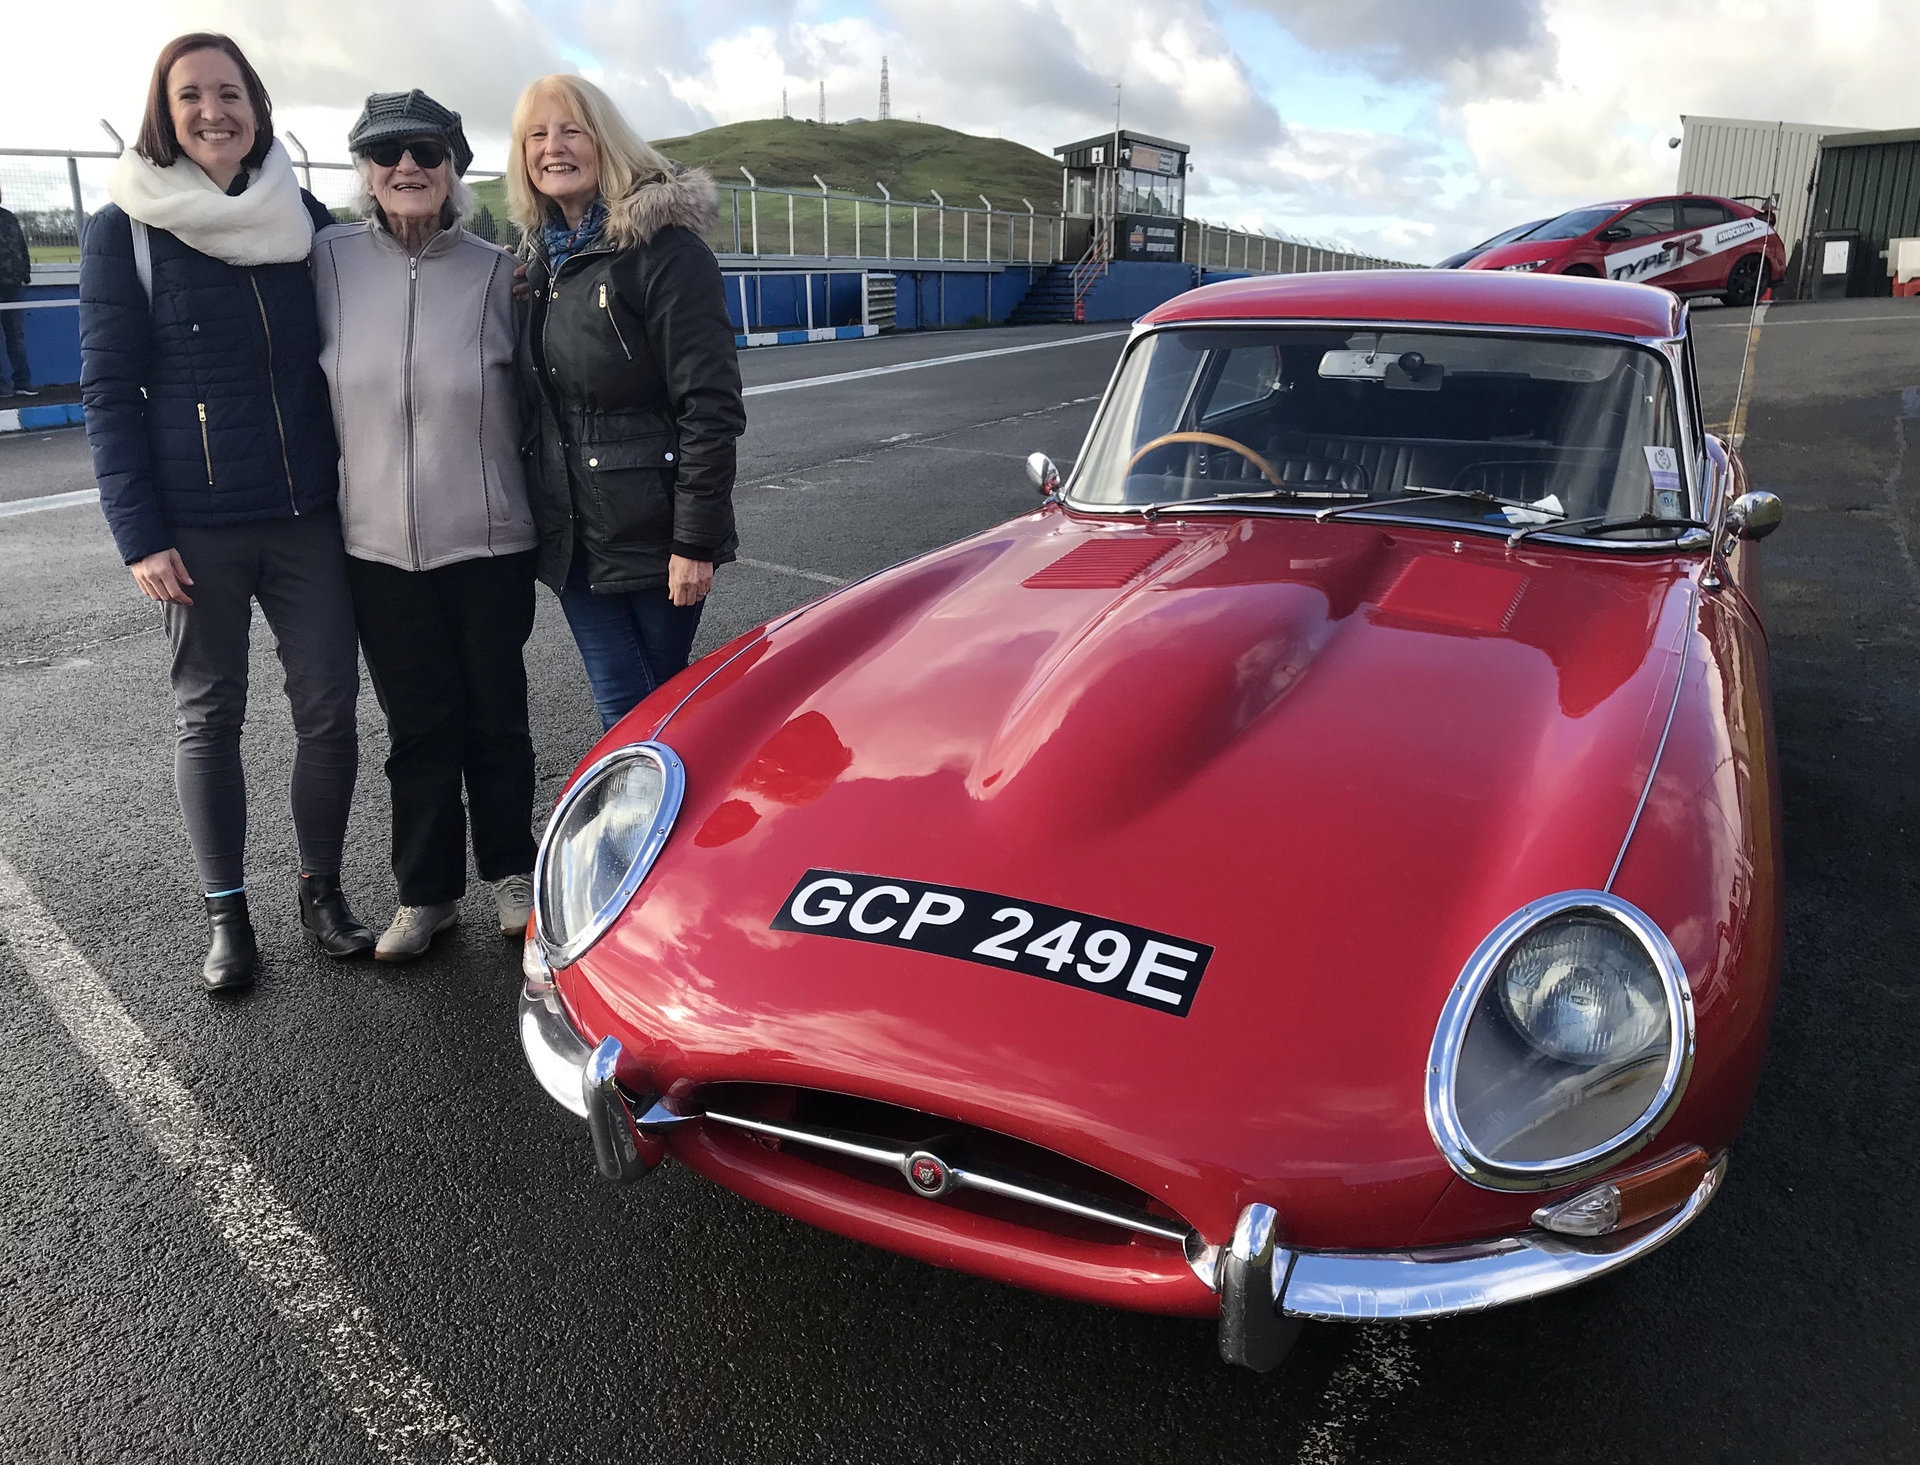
[[630, 382]]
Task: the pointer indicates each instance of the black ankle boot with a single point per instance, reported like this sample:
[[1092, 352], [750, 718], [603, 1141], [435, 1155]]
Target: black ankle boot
[[233, 956], [329, 920]]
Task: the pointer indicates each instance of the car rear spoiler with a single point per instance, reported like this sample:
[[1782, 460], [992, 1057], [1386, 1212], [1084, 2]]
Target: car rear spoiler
[[1768, 205]]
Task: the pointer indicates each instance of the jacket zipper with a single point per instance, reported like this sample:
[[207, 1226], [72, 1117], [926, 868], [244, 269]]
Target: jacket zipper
[[406, 393], [205, 446], [272, 392], [612, 322]]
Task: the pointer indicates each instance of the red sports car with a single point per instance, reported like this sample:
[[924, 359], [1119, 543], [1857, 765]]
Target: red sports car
[[1690, 244], [1324, 862]]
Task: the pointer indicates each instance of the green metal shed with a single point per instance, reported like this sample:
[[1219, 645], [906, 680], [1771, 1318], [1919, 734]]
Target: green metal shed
[[1869, 181]]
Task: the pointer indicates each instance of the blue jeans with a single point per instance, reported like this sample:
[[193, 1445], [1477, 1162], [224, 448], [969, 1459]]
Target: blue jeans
[[631, 641]]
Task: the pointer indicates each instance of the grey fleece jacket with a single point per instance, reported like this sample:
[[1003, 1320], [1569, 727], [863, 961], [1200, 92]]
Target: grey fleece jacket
[[419, 354]]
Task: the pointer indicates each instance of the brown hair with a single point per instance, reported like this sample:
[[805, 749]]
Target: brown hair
[[158, 143]]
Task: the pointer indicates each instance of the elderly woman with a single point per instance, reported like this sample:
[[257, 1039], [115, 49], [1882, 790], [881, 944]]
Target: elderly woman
[[417, 328], [628, 360]]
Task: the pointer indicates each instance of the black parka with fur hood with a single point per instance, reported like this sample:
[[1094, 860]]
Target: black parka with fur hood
[[631, 397]]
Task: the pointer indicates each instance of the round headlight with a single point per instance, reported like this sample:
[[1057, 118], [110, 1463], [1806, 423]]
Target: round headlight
[[1580, 989], [1563, 1047], [603, 838]]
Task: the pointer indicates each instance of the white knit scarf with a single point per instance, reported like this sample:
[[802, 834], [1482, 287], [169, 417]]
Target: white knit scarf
[[267, 224]]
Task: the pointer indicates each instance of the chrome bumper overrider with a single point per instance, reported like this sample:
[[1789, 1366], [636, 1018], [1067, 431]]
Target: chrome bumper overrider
[[1265, 1289]]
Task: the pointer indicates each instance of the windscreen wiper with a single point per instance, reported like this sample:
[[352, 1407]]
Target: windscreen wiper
[[1416, 495], [1152, 511], [1601, 524]]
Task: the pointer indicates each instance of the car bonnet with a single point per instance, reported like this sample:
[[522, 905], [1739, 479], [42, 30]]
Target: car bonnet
[[1333, 755]]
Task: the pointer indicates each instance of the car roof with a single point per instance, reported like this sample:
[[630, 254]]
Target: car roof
[[1449, 297]]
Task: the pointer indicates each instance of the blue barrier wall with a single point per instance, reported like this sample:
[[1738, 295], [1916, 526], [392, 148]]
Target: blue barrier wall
[[53, 337], [776, 300], [1131, 288], [928, 299]]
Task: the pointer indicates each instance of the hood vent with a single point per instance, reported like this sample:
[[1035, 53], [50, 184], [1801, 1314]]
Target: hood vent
[[1458, 593], [1101, 564]]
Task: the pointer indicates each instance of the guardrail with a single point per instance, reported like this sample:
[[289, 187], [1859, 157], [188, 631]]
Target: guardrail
[[756, 221], [1217, 247], [48, 189]]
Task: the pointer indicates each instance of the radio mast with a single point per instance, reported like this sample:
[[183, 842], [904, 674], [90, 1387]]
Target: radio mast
[[886, 92], [823, 100]]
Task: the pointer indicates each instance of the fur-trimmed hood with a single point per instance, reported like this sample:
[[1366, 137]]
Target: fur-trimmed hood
[[688, 198]]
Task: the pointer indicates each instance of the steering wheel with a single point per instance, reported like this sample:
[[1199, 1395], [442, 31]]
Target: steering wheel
[[1212, 440]]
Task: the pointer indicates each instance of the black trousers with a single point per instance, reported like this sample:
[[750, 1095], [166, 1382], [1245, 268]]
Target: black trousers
[[296, 570], [445, 651]]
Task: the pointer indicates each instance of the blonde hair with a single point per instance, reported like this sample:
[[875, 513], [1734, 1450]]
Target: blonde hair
[[627, 164]]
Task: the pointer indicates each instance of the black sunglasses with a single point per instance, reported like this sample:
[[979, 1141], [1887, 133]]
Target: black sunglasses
[[426, 152]]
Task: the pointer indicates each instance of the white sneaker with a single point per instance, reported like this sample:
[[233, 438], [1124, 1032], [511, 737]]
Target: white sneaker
[[413, 930], [513, 898]]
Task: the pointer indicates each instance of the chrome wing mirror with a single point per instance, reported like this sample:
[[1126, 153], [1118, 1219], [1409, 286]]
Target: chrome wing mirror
[[1755, 515], [1042, 474]]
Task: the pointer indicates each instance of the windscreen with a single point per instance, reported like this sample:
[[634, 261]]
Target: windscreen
[[1492, 429], [1573, 225]]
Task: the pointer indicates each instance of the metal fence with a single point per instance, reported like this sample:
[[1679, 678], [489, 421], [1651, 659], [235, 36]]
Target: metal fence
[[51, 192], [762, 223], [1217, 247]]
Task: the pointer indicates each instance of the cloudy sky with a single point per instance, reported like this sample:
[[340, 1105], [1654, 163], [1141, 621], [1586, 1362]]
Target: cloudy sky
[[1408, 127]]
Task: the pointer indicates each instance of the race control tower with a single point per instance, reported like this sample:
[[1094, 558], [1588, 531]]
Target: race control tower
[[1125, 187]]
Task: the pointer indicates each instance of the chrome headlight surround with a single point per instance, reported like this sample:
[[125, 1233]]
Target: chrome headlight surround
[[1443, 1063], [673, 783]]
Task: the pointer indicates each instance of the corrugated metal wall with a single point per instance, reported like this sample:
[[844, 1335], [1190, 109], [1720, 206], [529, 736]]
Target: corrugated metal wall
[[1870, 181], [1730, 156]]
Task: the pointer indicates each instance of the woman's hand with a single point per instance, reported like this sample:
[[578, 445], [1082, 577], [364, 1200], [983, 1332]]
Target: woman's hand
[[163, 577], [688, 581], [522, 291]]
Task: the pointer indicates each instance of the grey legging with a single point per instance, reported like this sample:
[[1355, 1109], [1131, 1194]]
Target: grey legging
[[296, 569]]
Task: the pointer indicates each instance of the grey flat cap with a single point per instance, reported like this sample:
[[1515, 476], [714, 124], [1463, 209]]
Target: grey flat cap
[[389, 116]]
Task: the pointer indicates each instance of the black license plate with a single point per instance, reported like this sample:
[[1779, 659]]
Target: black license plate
[[1147, 968]]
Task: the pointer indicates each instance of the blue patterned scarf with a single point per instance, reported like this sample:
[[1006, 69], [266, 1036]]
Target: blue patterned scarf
[[562, 243]]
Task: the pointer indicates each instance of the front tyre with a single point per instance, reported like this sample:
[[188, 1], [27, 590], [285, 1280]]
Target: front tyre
[[1746, 280], [1586, 270]]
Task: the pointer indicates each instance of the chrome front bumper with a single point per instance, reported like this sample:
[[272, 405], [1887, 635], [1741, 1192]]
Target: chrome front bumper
[[1265, 1289]]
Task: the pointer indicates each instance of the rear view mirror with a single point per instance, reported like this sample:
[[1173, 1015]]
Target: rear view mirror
[[1755, 515], [1042, 474], [1404, 371]]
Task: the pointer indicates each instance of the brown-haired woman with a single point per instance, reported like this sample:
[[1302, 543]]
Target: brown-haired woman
[[214, 450]]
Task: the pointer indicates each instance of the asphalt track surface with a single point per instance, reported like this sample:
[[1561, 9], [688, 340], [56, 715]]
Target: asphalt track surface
[[339, 1222]]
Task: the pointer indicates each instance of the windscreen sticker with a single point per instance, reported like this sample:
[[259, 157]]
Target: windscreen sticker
[[1663, 256], [1149, 969], [1668, 495]]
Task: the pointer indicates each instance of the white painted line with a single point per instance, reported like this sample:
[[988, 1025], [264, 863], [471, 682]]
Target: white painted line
[[50, 501], [833, 580], [1381, 1363], [1821, 320], [404, 1420], [849, 376]]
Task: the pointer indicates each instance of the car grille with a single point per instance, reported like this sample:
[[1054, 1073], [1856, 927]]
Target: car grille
[[939, 1160]]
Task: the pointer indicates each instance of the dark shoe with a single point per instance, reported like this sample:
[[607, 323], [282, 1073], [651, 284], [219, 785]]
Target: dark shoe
[[20, 391], [233, 957], [327, 918]]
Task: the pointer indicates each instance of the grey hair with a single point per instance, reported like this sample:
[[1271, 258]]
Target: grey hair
[[459, 202]]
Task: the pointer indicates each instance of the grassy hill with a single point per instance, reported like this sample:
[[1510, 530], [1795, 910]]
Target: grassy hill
[[911, 158]]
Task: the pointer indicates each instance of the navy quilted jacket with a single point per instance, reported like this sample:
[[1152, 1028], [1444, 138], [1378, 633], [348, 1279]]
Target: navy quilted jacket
[[210, 407]]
